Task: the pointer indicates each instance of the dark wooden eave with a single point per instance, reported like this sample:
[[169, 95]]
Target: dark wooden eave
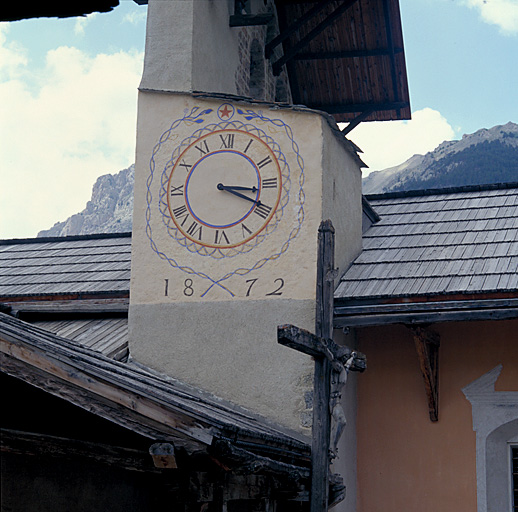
[[13, 10], [345, 57], [136, 398], [420, 312]]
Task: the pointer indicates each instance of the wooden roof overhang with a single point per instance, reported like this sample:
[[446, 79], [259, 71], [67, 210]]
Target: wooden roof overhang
[[344, 57], [148, 404], [15, 11], [418, 314], [425, 310]]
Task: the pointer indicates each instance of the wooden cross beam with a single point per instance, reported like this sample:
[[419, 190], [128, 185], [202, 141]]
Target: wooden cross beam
[[310, 344]]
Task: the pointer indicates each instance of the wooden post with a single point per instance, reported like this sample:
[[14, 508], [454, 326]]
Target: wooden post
[[322, 387], [330, 359]]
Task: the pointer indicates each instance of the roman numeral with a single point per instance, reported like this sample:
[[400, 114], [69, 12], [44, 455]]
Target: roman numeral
[[195, 230], [185, 165], [262, 210], [244, 230], [269, 183], [181, 210], [227, 141], [177, 191], [264, 161], [248, 145], [219, 236], [203, 147]]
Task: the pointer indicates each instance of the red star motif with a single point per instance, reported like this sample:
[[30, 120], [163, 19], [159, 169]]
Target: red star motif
[[225, 111]]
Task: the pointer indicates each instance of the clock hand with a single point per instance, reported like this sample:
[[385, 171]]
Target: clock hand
[[230, 187], [232, 190]]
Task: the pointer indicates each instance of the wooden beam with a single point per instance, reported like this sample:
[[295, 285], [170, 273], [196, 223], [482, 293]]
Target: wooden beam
[[287, 32], [86, 382], [321, 429], [241, 461], [420, 318], [29, 443], [346, 54], [360, 107], [427, 345], [293, 50], [310, 344], [357, 120], [248, 20]]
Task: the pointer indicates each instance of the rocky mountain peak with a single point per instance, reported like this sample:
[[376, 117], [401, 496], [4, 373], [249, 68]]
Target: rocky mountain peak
[[110, 209], [486, 156]]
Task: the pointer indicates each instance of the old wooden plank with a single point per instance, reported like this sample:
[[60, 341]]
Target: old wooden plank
[[30, 443], [323, 329], [308, 343]]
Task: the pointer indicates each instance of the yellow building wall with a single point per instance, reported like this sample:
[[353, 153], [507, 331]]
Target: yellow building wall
[[405, 461]]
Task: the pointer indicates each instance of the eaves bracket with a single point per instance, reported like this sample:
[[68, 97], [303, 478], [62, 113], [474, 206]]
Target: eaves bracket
[[427, 344]]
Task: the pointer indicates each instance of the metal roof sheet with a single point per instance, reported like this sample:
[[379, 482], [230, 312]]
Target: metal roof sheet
[[451, 242]]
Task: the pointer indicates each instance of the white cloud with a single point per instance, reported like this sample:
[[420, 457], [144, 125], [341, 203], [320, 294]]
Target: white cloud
[[60, 128], [82, 21], [390, 143], [503, 13], [135, 17]]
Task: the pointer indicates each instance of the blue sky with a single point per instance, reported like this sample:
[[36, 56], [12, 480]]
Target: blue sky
[[68, 95]]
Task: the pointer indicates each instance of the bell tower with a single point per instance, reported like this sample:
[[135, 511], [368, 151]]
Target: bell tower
[[230, 191]]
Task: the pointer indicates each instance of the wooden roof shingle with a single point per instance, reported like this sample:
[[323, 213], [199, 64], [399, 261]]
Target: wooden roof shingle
[[449, 242], [67, 265]]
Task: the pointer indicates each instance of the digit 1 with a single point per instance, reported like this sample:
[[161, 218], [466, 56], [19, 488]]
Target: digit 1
[[248, 145]]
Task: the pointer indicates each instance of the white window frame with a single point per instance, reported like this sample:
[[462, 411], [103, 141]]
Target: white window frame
[[495, 421]]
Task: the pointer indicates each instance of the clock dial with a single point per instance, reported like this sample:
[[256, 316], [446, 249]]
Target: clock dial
[[225, 197], [224, 188]]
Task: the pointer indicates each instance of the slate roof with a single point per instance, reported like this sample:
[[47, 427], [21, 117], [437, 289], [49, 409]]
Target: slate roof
[[439, 242], [69, 265]]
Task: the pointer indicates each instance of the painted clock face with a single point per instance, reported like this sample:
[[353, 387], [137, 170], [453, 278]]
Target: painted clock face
[[225, 197], [224, 188]]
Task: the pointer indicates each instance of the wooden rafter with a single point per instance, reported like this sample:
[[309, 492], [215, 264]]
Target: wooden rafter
[[271, 45], [427, 344], [345, 54], [291, 52], [248, 20]]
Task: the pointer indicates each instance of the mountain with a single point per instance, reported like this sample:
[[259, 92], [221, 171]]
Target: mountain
[[486, 156], [110, 209]]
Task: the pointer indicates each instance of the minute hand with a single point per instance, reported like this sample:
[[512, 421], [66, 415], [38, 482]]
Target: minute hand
[[233, 190]]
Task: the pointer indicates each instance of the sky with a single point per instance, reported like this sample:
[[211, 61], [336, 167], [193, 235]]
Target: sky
[[68, 98]]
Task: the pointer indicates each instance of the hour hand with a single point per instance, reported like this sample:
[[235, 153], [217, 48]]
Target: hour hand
[[234, 190]]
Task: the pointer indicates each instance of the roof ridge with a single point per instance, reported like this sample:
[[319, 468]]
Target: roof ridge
[[443, 191], [68, 238]]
